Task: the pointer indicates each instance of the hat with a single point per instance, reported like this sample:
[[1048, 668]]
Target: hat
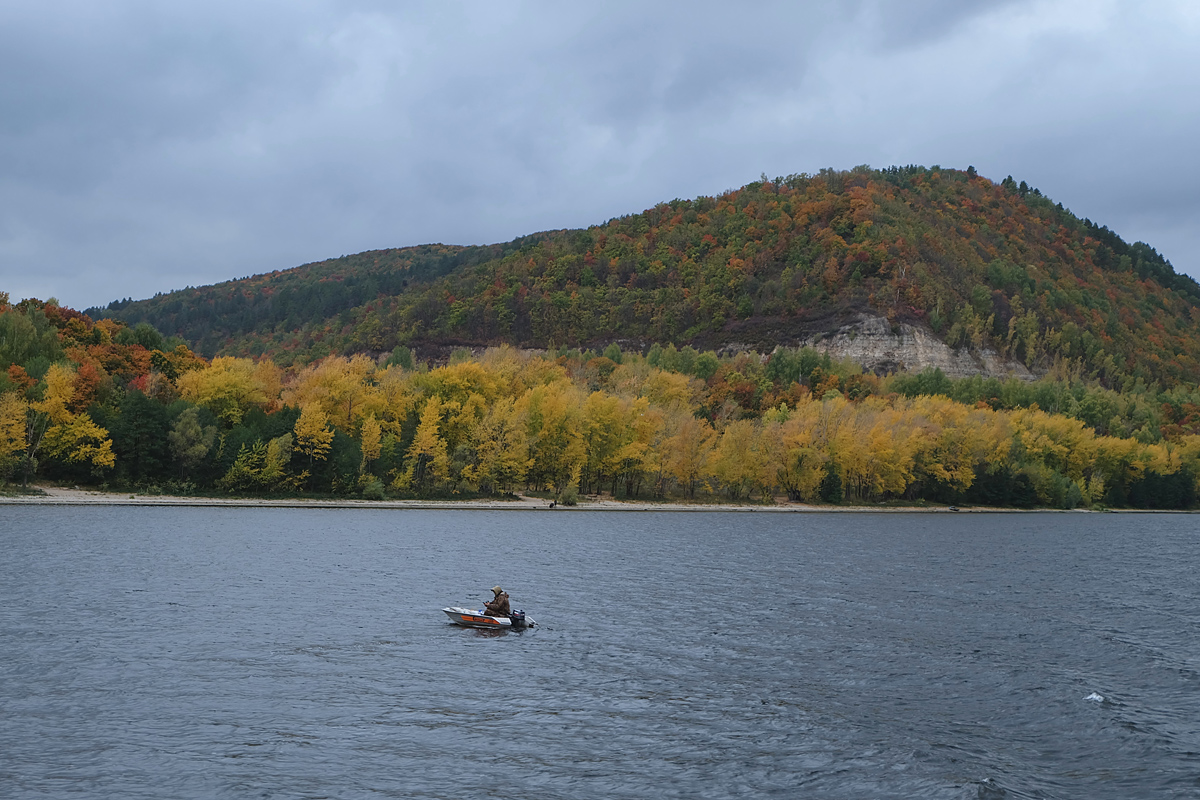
[[496, 590]]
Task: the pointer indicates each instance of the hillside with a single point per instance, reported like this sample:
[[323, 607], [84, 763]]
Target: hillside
[[983, 267], [216, 317]]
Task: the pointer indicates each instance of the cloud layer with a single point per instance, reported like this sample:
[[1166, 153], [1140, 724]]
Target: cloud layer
[[149, 146]]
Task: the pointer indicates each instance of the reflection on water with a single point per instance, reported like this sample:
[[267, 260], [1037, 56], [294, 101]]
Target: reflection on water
[[303, 653]]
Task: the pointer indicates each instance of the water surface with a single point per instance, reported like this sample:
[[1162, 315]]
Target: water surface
[[224, 652]]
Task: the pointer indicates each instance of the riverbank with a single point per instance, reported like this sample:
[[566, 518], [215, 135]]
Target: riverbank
[[59, 495]]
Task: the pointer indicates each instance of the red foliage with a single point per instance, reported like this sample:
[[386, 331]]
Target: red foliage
[[87, 386], [19, 377]]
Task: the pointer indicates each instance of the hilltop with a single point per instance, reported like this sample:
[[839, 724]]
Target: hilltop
[[996, 274]]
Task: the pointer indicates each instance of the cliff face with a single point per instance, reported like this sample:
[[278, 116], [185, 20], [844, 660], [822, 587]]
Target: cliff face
[[871, 341]]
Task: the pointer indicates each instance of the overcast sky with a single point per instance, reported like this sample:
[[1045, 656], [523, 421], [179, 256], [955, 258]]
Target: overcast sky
[[147, 146]]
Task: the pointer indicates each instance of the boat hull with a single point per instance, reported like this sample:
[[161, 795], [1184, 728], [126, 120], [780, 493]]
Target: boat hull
[[477, 618]]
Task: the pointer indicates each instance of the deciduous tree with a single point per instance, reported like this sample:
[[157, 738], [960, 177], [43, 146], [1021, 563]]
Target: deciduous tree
[[313, 436], [190, 440], [229, 387], [13, 409], [427, 462]]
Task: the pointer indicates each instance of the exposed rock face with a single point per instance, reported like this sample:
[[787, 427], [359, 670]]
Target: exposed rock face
[[871, 342]]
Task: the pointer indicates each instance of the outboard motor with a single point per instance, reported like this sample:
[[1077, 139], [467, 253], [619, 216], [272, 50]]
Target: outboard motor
[[518, 618]]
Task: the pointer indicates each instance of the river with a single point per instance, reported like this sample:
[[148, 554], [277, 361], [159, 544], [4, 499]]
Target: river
[[301, 653]]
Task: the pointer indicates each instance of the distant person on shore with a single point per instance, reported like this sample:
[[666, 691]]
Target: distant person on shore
[[498, 606]]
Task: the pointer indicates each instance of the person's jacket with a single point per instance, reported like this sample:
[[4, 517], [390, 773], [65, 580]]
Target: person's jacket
[[499, 607]]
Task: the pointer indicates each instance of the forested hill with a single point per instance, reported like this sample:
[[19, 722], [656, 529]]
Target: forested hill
[[979, 263], [216, 317]]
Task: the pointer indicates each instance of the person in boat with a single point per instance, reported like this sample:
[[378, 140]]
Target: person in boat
[[498, 606]]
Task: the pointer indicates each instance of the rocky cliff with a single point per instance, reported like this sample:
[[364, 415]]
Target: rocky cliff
[[881, 348]]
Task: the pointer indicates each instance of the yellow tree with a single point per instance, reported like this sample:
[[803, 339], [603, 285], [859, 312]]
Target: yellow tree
[[603, 434], [245, 473], [13, 410], [634, 458], [56, 400], [792, 448], [341, 387], [888, 441], [229, 387], [426, 461], [995, 441], [313, 436], [629, 377], [555, 434], [78, 440], [850, 456], [670, 389], [831, 420], [1121, 462], [968, 441], [515, 371], [67, 437], [456, 382], [395, 397], [690, 448], [501, 448], [660, 446], [370, 442], [737, 460], [1060, 443], [279, 455], [460, 418], [872, 451]]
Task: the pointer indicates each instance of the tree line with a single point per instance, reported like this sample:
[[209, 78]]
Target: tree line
[[99, 402]]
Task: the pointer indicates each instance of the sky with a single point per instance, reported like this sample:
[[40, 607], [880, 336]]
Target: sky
[[148, 146]]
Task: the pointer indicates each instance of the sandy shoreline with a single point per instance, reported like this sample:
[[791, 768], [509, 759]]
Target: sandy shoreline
[[58, 495]]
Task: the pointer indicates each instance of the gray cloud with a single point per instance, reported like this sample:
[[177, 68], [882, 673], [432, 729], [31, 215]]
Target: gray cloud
[[149, 146]]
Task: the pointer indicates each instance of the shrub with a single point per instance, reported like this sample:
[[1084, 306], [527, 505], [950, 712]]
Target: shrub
[[373, 490]]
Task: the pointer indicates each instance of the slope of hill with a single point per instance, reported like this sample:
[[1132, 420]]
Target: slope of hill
[[982, 266], [215, 316]]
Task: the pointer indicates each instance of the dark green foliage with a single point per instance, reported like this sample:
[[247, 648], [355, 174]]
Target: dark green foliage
[[139, 435], [338, 473], [289, 300], [142, 334], [1153, 490], [1002, 489], [831, 486]]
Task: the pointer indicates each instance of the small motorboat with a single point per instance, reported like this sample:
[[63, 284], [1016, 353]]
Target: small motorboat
[[478, 618]]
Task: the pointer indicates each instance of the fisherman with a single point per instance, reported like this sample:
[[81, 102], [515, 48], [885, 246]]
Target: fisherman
[[499, 607]]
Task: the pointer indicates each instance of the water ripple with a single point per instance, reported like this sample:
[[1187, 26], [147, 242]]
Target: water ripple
[[291, 653]]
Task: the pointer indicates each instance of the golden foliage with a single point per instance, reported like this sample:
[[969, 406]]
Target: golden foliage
[[13, 409], [230, 386], [313, 436], [80, 440]]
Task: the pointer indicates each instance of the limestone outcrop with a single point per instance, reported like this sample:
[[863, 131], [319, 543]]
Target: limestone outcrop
[[872, 342]]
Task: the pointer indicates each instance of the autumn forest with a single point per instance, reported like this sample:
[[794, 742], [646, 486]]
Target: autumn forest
[[659, 355]]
